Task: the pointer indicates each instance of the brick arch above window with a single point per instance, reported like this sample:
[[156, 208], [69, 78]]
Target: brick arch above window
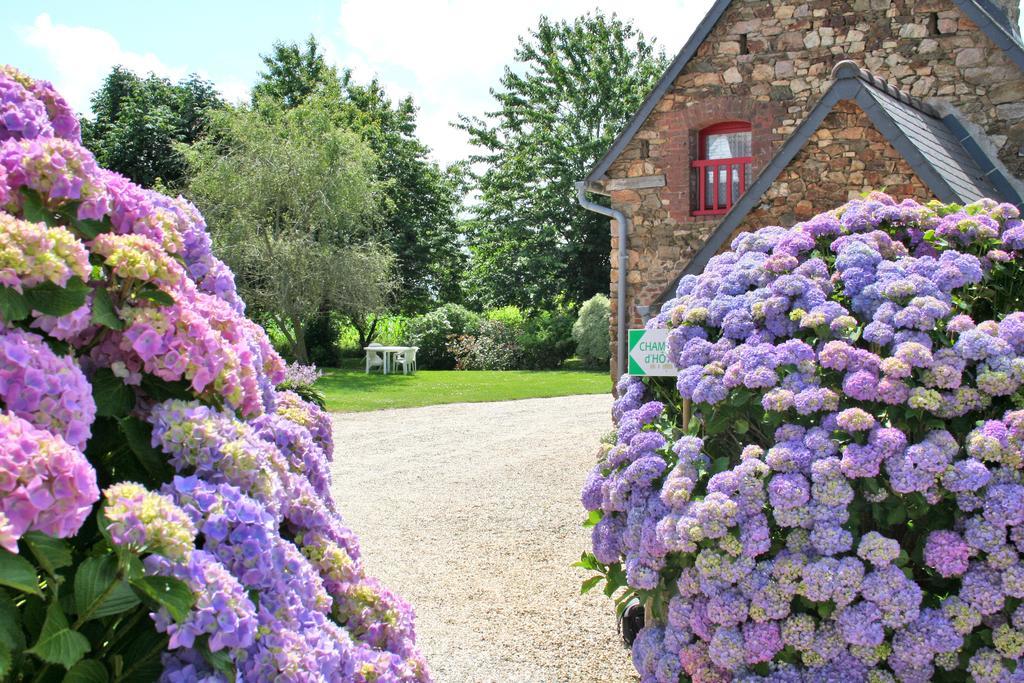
[[676, 134]]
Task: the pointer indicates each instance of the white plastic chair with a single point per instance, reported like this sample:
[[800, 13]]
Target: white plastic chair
[[407, 359], [374, 359]]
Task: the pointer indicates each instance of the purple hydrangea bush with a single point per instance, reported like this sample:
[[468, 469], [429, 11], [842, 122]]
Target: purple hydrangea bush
[[832, 488], [165, 511]]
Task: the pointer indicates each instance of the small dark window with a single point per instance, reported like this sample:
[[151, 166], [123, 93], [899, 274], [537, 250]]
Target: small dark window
[[933, 24], [744, 50], [645, 149], [722, 166]]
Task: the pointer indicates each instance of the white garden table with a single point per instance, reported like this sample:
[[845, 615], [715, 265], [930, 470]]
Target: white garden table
[[387, 352]]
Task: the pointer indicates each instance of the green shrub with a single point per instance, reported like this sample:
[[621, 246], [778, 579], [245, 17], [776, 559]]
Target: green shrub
[[432, 331], [322, 345], [277, 339], [511, 316], [591, 331], [493, 347], [391, 331], [546, 340]]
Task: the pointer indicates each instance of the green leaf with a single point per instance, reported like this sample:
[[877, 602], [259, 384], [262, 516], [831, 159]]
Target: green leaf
[[13, 306], [741, 427], [18, 573], [162, 390], [167, 592], [32, 208], [589, 584], [90, 229], [103, 312], [587, 561], [99, 591], [220, 660], [156, 295], [57, 643], [12, 635], [720, 465], [5, 661], [52, 553], [50, 299], [139, 436], [898, 515], [112, 396], [592, 519], [140, 656], [87, 671]]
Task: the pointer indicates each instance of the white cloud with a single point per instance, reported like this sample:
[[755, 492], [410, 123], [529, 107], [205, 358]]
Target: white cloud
[[82, 56], [448, 53]]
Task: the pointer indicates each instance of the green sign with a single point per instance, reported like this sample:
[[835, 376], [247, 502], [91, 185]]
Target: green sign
[[648, 354]]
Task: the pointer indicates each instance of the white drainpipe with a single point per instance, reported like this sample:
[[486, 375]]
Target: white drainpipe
[[620, 219]]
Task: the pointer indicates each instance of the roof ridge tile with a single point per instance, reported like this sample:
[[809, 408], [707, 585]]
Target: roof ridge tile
[[847, 68]]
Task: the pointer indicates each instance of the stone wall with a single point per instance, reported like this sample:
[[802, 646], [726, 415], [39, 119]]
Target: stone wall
[[769, 63], [844, 158]]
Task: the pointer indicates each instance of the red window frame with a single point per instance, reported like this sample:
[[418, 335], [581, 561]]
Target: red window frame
[[712, 169]]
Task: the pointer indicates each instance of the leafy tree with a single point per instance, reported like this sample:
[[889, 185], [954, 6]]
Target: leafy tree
[[572, 87], [420, 200], [291, 202], [294, 73], [138, 121]]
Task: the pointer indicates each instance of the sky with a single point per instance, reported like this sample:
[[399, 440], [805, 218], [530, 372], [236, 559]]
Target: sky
[[447, 55]]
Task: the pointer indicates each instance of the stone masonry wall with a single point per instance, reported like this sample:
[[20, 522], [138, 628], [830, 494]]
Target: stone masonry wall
[[844, 158], [769, 63]]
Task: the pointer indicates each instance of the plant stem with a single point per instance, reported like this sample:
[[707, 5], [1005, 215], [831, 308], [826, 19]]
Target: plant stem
[[123, 628]]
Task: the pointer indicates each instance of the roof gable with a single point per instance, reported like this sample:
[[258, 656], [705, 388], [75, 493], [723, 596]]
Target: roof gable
[[988, 16], [938, 149], [698, 36]]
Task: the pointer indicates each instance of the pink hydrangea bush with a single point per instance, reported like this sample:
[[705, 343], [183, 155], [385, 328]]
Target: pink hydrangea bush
[[832, 488], [165, 510]]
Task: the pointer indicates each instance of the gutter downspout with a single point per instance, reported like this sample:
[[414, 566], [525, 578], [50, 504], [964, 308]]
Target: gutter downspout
[[620, 219]]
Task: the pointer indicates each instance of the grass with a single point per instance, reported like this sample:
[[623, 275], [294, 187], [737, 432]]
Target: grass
[[350, 389]]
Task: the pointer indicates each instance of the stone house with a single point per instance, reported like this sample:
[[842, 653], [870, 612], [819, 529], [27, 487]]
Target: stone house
[[777, 110]]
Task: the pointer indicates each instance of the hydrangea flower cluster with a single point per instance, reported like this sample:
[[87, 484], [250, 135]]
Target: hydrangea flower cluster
[[143, 519], [836, 491], [145, 363], [46, 484], [48, 390], [31, 253]]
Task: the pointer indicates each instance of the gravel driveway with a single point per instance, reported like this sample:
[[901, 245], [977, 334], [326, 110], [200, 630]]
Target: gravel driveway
[[471, 512]]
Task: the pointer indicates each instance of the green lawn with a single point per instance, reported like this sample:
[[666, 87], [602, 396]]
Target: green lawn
[[349, 389]]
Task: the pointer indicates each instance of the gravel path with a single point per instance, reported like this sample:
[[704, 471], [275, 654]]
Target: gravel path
[[471, 512]]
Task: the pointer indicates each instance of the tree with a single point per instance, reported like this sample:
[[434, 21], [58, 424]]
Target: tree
[[420, 200], [138, 121], [293, 74], [291, 202], [572, 87]]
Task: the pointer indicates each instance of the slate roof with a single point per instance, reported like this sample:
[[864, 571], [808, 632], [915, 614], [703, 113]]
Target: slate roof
[[986, 14], [938, 148]]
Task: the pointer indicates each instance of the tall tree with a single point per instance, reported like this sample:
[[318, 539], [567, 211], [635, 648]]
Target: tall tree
[[138, 121], [294, 73], [291, 202], [571, 88], [421, 201]]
